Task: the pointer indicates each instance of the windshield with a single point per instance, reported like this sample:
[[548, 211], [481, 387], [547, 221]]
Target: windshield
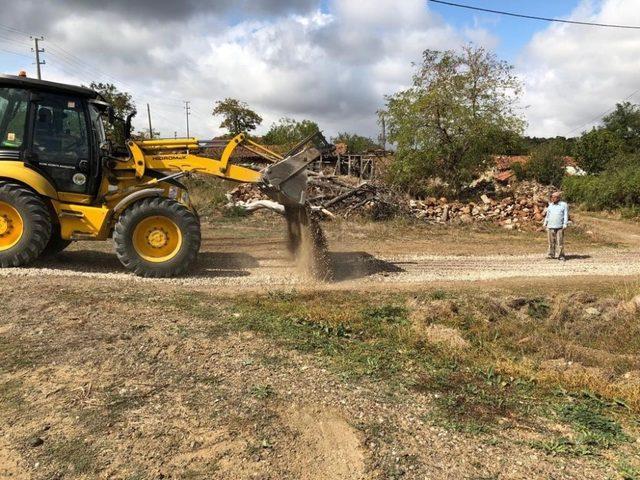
[[97, 125], [13, 116]]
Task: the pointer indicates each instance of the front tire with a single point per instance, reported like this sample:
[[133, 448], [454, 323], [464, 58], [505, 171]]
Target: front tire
[[157, 237], [25, 225]]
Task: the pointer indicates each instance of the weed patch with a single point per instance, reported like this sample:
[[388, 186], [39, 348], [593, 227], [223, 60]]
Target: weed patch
[[474, 400], [538, 308], [628, 472], [595, 430], [75, 454], [387, 313], [262, 392]]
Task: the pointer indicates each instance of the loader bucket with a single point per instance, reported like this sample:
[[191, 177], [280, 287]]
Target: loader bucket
[[286, 181]]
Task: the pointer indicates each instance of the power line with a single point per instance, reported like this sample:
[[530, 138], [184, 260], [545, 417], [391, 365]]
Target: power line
[[4, 37], [85, 70], [88, 69], [533, 17], [15, 30], [598, 117], [14, 53]]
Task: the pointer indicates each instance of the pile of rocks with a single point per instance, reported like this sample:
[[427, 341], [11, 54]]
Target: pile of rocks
[[523, 206], [520, 207], [243, 194]]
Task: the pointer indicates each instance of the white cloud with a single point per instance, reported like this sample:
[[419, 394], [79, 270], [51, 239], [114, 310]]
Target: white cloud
[[574, 73], [333, 66]]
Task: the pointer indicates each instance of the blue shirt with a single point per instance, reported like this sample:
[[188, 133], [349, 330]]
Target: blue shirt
[[557, 215]]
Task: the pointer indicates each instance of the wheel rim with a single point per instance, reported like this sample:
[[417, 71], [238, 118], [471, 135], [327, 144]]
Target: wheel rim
[[157, 239], [11, 226]]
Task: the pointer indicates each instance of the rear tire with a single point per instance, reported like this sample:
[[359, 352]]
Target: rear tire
[[25, 225], [157, 237], [56, 243]]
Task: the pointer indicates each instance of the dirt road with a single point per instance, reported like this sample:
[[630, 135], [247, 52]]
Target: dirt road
[[251, 254]]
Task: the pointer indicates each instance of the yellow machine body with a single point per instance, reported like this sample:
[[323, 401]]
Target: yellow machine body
[[20, 172], [83, 217]]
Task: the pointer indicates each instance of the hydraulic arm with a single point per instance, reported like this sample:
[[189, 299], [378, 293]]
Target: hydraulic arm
[[284, 179]]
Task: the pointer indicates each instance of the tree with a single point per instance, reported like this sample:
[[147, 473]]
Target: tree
[[596, 149], [288, 131], [238, 117], [122, 104], [624, 122], [144, 134], [545, 166], [444, 125], [355, 143], [506, 142]]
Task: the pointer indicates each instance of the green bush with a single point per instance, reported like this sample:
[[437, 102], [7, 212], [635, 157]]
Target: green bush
[[546, 165], [611, 190], [596, 149]]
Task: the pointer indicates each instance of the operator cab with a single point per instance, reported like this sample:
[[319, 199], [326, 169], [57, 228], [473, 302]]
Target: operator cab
[[55, 129]]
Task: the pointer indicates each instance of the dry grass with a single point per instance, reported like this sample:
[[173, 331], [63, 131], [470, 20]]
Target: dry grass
[[119, 382], [576, 340]]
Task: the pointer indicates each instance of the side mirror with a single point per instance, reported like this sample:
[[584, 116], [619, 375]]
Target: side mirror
[[111, 115]]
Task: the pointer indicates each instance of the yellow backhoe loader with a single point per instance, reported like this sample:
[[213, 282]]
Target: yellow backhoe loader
[[61, 180]]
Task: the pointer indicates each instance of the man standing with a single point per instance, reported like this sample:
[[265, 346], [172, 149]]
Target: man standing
[[556, 221]]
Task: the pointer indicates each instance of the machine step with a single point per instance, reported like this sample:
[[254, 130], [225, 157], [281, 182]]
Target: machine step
[[82, 236], [71, 213]]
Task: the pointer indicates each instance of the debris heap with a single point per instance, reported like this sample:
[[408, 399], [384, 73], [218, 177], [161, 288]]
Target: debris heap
[[522, 206]]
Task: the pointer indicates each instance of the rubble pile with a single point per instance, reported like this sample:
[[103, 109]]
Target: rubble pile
[[519, 207], [244, 194], [524, 205], [334, 195]]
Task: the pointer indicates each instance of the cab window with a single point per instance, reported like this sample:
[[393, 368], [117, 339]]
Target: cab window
[[61, 141], [13, 116], [60, 132], [97, 125]]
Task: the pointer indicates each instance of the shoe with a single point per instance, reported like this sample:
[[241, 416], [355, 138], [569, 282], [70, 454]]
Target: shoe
[[561, 258], [550, 257]]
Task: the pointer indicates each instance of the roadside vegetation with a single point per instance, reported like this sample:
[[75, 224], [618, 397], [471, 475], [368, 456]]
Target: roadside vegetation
[[616, 188], [610, 155], [541, 375]]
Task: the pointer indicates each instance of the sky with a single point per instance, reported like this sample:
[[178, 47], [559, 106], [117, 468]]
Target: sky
[[331, 61]]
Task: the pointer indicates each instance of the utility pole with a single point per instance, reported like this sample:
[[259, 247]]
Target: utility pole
[[150, 128], [382, 121], [187, 110], [38, 51]]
